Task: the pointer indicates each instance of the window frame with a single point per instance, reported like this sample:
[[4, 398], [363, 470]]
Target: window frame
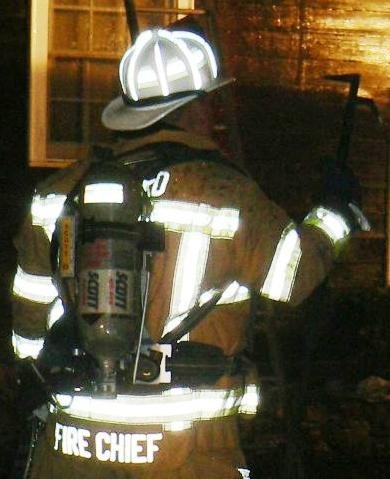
[[38, 116], [38, 88]]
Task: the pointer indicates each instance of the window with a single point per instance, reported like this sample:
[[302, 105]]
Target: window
[[75, 49]]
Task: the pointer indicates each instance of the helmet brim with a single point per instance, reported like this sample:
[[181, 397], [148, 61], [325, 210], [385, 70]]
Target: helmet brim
[[121, 116]]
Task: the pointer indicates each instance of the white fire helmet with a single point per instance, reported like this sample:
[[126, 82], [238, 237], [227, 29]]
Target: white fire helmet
[[162, 71]]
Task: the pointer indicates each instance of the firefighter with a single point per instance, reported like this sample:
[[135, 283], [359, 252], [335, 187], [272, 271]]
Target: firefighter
[[223, 241]]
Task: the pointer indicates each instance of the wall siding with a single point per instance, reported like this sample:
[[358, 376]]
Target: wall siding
[[279, 52]]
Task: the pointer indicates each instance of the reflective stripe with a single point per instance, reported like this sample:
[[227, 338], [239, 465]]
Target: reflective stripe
[[201, 42], [250, 400], [176, 406], [234, 293], [190, 57], [189, 272], [191, 217], [103, 193], [161, 73], [45, 210], [191, 60], [281, 275], [328, 221], [198, 223], [34, 287], [25, 347], [245, 473], [127, 74], [55, 312]]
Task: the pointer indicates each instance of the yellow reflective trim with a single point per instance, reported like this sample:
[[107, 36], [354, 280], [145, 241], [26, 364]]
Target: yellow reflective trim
[[45, 210], [245, 473], [33, 287], [281, 275], [234, 293], [198, 223], [25, 347], [328, 221], [251, 400], [180, 406], [55, 312], [191, 217], [189, 272]]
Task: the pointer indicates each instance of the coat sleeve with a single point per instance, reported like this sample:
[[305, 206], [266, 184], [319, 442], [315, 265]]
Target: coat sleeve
[[286, 261], [34, 296], [35, 301]]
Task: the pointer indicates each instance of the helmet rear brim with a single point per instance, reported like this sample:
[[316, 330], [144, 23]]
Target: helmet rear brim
[[121, 116]]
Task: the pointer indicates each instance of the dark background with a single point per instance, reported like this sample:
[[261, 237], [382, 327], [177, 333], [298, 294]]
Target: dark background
[[314, 359]]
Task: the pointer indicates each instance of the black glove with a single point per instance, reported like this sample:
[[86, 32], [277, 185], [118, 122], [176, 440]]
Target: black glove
[[36, 384], [62, 361], [60, 343], [61, 367], [32, 390], [340, 184], [342, 192]]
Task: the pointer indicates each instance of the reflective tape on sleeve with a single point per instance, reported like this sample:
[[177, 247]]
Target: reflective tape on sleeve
[[55, 312], [45, 211], [25, 347], [34, 287], [280, 279], [251, 400], [330, 222]]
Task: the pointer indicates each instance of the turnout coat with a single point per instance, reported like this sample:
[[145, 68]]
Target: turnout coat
[[221, 230]]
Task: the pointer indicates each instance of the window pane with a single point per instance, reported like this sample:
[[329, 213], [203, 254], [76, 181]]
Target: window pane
[[70, 30], [65, 121], [66, 92], [110, 32], [71, 3], [109, 3], [65, 78], [104, 80], [154, 3], [147, 19], [99, 132], [86, 41]]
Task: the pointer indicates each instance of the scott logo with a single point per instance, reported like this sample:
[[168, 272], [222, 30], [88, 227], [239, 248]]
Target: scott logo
[[121, 290], [93, 290]]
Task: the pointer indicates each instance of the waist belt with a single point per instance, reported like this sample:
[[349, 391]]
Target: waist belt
[[178, 407]]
